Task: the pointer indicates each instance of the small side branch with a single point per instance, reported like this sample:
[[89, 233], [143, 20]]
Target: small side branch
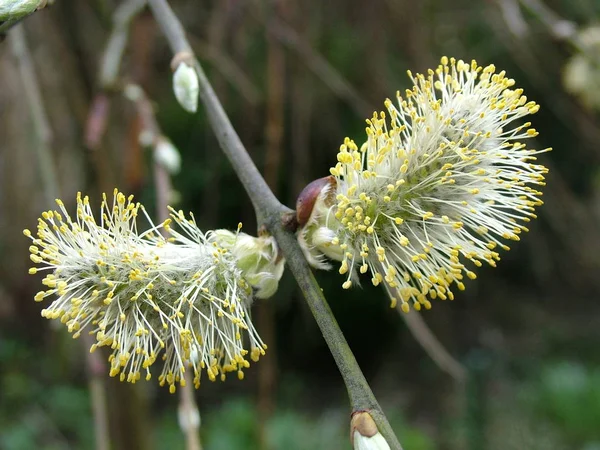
[[434, 348]]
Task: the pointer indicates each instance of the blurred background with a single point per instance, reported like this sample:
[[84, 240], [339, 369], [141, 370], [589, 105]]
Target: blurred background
[[295, 79]]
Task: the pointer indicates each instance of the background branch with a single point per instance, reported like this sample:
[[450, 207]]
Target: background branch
[[117, 41], [434, 348], [41, 126], [228, 68], [319, 66]]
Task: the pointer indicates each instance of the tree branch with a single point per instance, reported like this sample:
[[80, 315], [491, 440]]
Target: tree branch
[[272, 213], [359, 391], [110, 65]]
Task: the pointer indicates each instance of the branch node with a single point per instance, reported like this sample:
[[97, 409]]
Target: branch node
[[289, 221], [182, 57], [362, 422]]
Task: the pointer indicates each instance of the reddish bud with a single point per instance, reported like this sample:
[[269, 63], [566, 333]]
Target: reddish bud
[[308, 197]]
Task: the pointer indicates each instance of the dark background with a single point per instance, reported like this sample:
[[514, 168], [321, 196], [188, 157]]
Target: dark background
[[295, 79]]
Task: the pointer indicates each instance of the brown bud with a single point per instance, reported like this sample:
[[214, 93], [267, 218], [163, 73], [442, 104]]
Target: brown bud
[[182, 57], [364, 433], [308, 197], [363, 423]]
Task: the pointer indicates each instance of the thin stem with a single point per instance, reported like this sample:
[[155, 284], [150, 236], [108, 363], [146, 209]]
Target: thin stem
[[229, 69], [360, 393], [270, 212], [434, 348]]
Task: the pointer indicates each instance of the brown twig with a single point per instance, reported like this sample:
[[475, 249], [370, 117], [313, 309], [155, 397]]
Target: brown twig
[[270, 213]]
